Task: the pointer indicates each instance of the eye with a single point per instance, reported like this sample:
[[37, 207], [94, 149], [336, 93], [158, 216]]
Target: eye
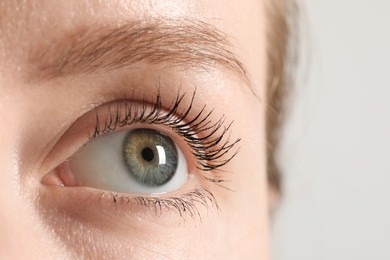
[[145, 148], [141, 160]]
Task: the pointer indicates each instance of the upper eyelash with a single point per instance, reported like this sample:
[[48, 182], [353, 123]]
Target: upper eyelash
[[209, 142]]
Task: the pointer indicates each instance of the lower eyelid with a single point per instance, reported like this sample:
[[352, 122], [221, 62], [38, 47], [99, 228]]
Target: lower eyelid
[[86, 219], [87, 203]]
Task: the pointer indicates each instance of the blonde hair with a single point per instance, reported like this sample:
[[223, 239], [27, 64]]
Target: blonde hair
[[281, 36]]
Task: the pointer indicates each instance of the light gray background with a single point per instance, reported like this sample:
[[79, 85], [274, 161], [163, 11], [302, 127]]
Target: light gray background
[[336, 155]]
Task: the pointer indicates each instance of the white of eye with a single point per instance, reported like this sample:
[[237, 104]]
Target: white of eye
[[100, 165]]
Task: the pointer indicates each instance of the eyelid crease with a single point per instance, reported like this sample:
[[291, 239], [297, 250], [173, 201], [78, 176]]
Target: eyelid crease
[[209, 142]]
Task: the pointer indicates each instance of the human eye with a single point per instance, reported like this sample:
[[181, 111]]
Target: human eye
[[140, 160], [143, 151]]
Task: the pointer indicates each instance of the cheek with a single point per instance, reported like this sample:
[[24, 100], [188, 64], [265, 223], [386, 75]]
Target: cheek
[[19, 224], [10, 138], [243, 220], [250, 200]]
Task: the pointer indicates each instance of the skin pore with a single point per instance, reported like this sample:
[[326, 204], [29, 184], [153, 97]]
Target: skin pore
[[63, 64]]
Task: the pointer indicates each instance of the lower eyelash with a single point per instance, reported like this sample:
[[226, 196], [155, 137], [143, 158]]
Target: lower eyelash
[[209, 142], [184, 205]]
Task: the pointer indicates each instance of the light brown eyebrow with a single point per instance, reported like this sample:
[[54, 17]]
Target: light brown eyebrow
[[192, 44]]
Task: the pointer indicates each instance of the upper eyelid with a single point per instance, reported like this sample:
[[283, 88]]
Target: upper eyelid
[[208, 140], [220, 151]]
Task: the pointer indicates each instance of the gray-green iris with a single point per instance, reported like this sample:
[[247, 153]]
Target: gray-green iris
[[150, 156]]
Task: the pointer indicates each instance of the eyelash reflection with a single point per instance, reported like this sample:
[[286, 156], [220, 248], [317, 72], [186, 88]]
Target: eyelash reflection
[[209, 142]]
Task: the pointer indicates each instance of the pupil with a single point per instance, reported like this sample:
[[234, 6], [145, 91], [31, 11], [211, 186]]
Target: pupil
[[148, 154]]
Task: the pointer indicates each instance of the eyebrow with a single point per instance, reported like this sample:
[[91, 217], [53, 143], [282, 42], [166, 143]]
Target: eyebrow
[[183, 43]]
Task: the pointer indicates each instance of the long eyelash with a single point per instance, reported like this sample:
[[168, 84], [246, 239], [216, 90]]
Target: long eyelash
[[209, 142], [184, 205]]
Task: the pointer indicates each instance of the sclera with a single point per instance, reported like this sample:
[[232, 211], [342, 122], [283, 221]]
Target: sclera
[[100, 165]]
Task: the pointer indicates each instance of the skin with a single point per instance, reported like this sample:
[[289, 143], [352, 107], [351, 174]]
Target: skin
[[40, 218]]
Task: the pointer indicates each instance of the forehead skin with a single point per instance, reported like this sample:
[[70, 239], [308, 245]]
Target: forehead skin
[[28, 26]]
